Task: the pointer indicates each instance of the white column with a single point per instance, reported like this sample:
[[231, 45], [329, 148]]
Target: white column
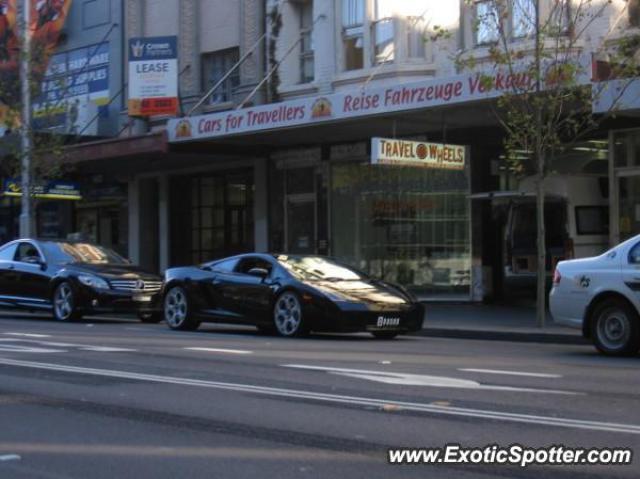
[[134, 220], [260, 205], [163, 221]]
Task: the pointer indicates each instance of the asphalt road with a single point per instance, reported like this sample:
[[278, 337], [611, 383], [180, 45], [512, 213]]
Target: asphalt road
[[120, 399]]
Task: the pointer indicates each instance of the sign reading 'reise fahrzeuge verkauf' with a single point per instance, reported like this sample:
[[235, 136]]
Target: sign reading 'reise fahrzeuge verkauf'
[[387, 151], [346, 105]]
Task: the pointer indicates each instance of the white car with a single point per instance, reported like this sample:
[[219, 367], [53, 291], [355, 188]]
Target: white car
[[601, 295]]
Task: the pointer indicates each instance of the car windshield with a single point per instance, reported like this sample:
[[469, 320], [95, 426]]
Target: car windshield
[[60, 252], [316, 268]]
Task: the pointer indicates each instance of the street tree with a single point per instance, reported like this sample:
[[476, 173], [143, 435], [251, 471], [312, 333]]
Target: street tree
[[549, 46]]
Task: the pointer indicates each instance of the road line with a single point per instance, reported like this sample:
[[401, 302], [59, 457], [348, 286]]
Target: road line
[[12, 348], [9, 457], [339, 399], [425, 380], [105, 349], [217, 350], [81, 347], [29, 335], [511, 373]]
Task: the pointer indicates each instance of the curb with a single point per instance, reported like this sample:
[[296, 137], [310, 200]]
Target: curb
[[493, 335]]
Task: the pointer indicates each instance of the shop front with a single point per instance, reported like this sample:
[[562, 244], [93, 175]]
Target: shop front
[[330, 191], [402, 221]]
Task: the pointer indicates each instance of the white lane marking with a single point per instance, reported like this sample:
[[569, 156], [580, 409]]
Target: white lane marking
[[10, 457], [424, 380], [11, 348], [82, 347], [29, 335], [334, 398], [105, 349], [218, 350], [511, 373]]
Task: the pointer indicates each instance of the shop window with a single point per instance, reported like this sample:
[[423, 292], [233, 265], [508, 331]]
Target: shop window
[[214, 67], [523, 18], [634, 13], [592, 220], [383, 33], [404, 224], [487, 24], [221, 216], [352, 33], [306, 43]]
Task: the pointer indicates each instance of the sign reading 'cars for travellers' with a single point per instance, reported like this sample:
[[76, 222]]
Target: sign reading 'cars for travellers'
[[387, 151], [153, 76]]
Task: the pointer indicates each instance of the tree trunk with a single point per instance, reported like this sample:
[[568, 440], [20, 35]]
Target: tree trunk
[[541, 298]]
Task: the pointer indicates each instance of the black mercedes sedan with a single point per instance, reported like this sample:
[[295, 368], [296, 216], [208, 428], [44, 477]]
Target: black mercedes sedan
[[289, 295], [72, 279]]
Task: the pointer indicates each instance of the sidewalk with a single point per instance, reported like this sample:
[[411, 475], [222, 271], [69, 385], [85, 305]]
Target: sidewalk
[[494, 322]]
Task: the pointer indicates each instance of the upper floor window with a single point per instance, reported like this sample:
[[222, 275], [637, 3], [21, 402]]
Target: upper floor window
[[523, 18], [634, 13], [353, 12], [383, 32], [518, 19], [306, 43], [487, 24], [215, 65], [560, 17]]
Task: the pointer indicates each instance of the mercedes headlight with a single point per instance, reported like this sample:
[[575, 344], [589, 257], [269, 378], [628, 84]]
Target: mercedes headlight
[[93, 281]]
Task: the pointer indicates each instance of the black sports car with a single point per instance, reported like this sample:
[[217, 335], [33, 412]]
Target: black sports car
[[75, 278], [289, 295]]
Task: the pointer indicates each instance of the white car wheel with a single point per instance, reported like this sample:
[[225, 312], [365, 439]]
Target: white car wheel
[[615, 328]]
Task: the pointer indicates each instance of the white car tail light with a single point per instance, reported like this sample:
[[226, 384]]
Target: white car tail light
[[556, 277]]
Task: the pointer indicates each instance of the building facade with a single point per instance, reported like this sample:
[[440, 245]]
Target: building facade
[[79, 99], [278, 157]]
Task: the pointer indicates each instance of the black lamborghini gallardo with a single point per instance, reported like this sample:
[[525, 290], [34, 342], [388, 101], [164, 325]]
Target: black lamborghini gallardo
[[289, 295]]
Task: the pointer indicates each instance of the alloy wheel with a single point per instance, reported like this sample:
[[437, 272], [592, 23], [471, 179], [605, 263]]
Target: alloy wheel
[[287, 314], [175, 307], [63, 302]]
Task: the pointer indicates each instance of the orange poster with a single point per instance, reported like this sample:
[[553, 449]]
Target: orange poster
[[47, 20]]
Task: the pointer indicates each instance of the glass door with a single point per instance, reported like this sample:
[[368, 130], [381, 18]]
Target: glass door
[[301, 225]]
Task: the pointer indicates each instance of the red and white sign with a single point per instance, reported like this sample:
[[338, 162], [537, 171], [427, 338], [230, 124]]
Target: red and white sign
[[387, 151], [153, 76], [342, 106]]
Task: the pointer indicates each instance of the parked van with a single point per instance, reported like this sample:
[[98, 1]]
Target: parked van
[[576, 223]]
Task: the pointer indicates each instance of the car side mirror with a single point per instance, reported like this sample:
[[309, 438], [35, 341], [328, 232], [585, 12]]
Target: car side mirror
[[258, 272], [36, 260]]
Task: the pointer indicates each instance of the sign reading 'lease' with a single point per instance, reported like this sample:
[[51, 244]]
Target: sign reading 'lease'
[[153, 76], [387, 151]]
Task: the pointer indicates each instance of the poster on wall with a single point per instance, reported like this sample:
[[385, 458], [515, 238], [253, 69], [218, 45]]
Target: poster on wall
[[153, 76], [74, 91]]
